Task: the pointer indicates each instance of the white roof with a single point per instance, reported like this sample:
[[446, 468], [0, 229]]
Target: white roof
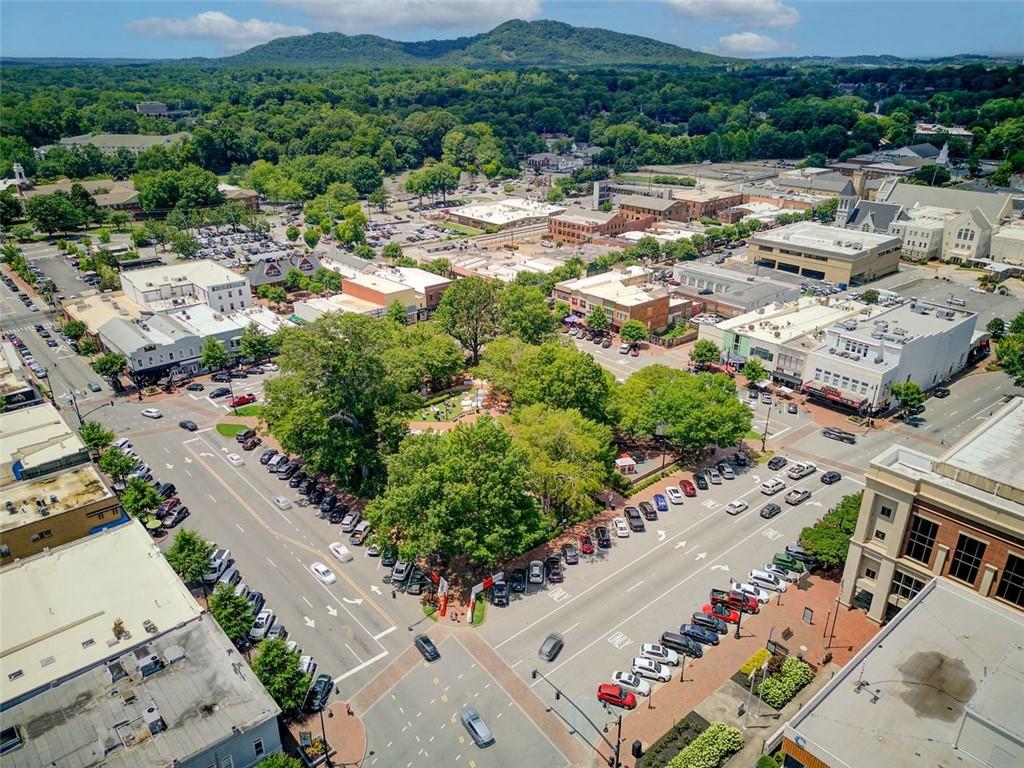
[[835, 241], [63, 617], [203, 272], [616, 275], [36, 436], [501, 212], [794, 319]]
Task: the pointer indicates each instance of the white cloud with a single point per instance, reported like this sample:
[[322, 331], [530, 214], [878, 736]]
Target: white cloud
[[749, 13], [232, 34], [750, 44], [365, 16]]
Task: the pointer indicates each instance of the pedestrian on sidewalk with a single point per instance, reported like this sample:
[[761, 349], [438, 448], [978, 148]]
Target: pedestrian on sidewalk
[[394, 594]]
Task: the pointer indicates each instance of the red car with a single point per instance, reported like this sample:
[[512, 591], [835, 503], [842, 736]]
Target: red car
[[242, 400], [616, 696], [167, 506], [586, 545], [688, 488], [723, 612]]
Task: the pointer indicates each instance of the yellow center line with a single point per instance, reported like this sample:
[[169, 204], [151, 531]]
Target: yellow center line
[[270, 529]]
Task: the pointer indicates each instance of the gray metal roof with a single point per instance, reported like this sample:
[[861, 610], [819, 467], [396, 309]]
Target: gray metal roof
[[204, 691], [881, 215], [273, 268], [993, 204]]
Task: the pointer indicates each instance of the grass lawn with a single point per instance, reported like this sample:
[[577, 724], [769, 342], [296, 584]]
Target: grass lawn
[[752, 435], [430, 611], [250, 410], [446, 410], [480, 611], [458, 229], [230, 430]]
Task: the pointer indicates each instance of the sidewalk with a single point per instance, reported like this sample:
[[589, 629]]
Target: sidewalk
[[345, 734], [784, 624]]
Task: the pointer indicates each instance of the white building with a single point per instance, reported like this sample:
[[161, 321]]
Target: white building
[[859, 361], [167, 288], [1008, 245], [511, 212], [922, 230]]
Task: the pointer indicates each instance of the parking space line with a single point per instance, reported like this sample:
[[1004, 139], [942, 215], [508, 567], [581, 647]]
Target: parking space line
[[387, 631], [361, 667]]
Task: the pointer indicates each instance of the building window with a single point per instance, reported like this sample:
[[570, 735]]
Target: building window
[[1011, 585], [921, 539], [967, 559], [871, 573], [886, 512], [257, 747], [905, 585], [880, 535], [10, 739]]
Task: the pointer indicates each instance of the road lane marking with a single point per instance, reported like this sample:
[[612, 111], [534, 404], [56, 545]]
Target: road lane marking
[[635, 585], [387, 631], [239, 527], [211, 498], [361, 667], [306, 601], [353, 652], [272, 562]]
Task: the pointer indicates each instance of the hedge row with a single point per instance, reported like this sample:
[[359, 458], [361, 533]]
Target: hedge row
[[711, 748], [778, 690]]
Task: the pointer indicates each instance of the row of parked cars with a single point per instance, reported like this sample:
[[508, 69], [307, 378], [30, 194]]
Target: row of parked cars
[[25, 299], [27, 358], [655, 662], [171, 512]]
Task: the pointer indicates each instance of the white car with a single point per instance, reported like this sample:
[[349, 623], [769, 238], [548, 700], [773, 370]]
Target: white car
[[340, 551], [801, 469], [292, 646], [660, 654], [234, 460], [307, 665], [737, 506], [322, 572], [765, 580], [152, 413], [123, 444], [783, 573], [761, 595], [650, 669], [772, 486], [282, 503], [630, 682], [270, 366], [674, 494], [621, 529], [264, 621]]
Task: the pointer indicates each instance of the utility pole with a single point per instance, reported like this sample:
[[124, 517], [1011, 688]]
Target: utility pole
[[559, 694]]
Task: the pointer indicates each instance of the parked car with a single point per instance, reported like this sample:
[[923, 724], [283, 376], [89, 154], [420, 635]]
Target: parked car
[[839, 434], [632, 683], [648, 511], [93, 386], [536, 572], [319, 693], [940, 392], [570, 554], [518, 580], [195, 386], [634, 519], [426, 648], [240, 400], [476, 727], [797, 496], [617, 696], [801, 470], [551, 647], [553, 566], [721, 611], [768, 511], [709, 621], [659, 653], [176, 517], [674, 494], [252, 444], [264, 620], [702, 635], [758, 594], [740, 459], [604, 538], [499, 594], [219, 392], [700, 481], [831, 477], [688, 488], [401, 572], [234, 460], [683, 645], [782, 573], [771, 486], [776, 463], [726, 471], [660, 503], [244, 435], [621, 529], [586, 545], [791, 408], [650, 669], [789, 562], [799, 553], [766, 580], [360, 533], [713, 477], [188, 424]]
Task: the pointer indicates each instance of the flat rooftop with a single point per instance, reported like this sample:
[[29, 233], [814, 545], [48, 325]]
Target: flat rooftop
[[699, 195], [69, 598], [939, 685], [341, 302], [96, 309], [834, 241], [203, 272], [377, 282], [585, 216], [12, 372], [781, 323], [508, 211], [140, 714], [72, 488], [647, 203], [592, 281], [913, 318], [35, 436], [627, 295]]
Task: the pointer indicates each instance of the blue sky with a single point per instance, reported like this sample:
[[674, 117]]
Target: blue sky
[[159, 29]]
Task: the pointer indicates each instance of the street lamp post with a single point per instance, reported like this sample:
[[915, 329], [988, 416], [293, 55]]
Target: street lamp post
[[323, 736], [559, 694], [739, 621], [764, 435]]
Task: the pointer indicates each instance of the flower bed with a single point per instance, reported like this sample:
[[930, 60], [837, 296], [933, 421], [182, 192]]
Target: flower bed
[[712, 748], [661, 752], [778, 689]]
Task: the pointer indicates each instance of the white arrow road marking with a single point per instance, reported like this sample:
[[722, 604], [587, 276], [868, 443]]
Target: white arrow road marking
[[169, 466], [756, 478], [357, 601], [680, 545], [332, 611], [720, 568], [206, 454], [701, 555], [813, 503], [188, 460], [224, 450], [661, 535], [375, 589], [309, 622]]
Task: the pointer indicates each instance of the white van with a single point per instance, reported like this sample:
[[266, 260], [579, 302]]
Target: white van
[[218, 564], [772, 486], [766, 580]]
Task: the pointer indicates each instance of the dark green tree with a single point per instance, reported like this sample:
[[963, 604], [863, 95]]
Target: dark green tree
[[469, 313], [278, 670], [233, 613], [523, 312], [189, 555]]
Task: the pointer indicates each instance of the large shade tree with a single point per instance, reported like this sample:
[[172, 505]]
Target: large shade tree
[[469, 312]]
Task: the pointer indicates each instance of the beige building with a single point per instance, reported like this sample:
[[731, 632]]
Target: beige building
[[1008, 245], [959, 517], [175, 286], [36, 442], [624, 295], [820, 252]]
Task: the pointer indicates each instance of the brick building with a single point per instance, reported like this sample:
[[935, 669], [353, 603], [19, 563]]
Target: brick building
[[959, 517], [624, 295], [578, 225]]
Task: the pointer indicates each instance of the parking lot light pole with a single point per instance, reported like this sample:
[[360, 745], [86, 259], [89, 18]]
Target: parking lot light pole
[[739, 621], [560, 694]]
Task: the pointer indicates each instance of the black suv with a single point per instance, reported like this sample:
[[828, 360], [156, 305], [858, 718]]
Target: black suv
[[328, 503], [427, 648], [650, 513], [634, 519], [604, 539], [499, 593], [518, 580], [554, 569], [318, 694], [839, 434], [700, 481]]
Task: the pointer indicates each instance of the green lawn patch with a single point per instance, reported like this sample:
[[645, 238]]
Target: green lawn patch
[[429, 610], [250, 410], [228, 429], [752, 435], [459, 229], [479, 611]]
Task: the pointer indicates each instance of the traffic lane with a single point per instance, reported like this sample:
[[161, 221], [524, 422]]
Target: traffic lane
[[619, 626], [775, 416], [705, 546], [417, 723]]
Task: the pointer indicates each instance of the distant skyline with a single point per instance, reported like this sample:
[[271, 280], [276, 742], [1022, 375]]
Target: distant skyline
[[744, 28]]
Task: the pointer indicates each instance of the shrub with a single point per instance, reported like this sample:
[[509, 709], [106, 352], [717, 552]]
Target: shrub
[[766, 761], [754, 662], [778, 690], [710, 749]]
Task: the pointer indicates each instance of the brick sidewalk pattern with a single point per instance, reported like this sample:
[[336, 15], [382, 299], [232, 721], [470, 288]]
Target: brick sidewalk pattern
[[345, 733]]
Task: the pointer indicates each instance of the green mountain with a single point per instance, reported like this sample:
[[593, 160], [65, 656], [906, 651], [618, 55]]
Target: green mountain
[[512, 44]]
